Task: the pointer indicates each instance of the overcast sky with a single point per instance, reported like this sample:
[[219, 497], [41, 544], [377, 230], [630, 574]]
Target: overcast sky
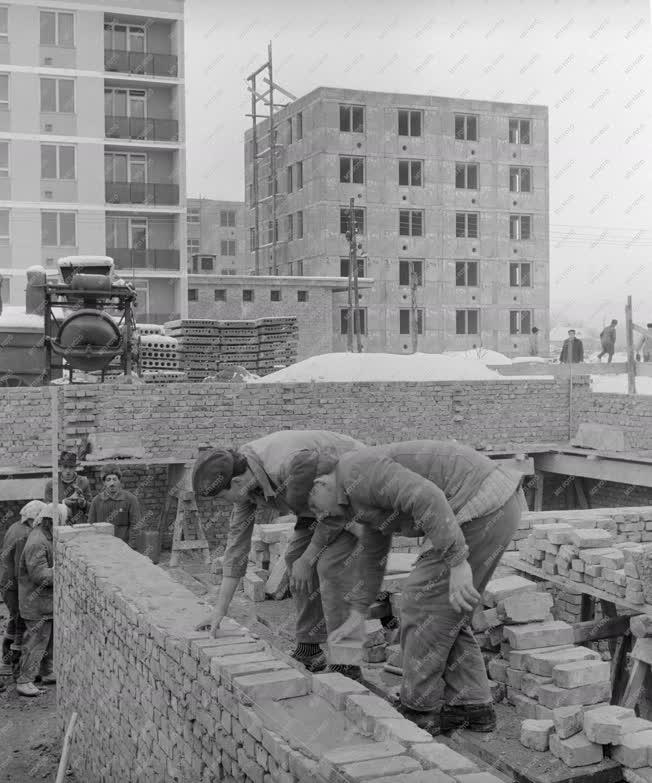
[[589, 62]]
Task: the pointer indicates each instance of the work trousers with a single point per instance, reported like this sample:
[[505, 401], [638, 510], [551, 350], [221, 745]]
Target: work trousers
[[607, 351], [37, 650], [324, 609], [441, 660], [15, 625]]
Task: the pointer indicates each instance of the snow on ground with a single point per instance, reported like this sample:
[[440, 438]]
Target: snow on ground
[[520, 359], [365, 367], [619, 356], [617, 384], [483, 355]]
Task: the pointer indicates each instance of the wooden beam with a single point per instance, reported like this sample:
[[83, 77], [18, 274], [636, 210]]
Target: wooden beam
[[538, 490], [524, 465], [619, 471], [596, 630], [582, 499]]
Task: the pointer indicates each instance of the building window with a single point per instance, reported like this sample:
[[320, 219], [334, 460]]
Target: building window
[[194, 215], [300, 224], [272, 186], [220, 294], [57, 29], [344, 267], [299, 126], [58, 95], [192, 247], [4, 159], [299, 175], [466, 127], [57, 161], [358, 216], [466, 224], [361, 320], [124, 232], [409, 122], [247, 295], [300, 268], [4, 23], [58, 229], [227, 247], [520, 132], [290, 227], [207, 263], [352, 119], [404, 271], [302, 296], [466, 175], [289, 179], [4, 91], [466, 273], [520, 179], [275, 295], [520, 227], [466, 321], [289, 125], [520, 321], [252, 238], [410, 172], [276, 231], [520, 275], [192, 295], [4, 225], [405, 320], [227, 218], [122, 37], [410, 223], [352, 170]]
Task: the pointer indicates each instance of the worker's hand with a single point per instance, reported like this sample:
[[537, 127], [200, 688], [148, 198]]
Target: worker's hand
[[461, 593], [211, 623], [352, 628], [302, 576]]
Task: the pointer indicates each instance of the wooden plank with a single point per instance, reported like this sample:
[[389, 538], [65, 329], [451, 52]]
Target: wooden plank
[[587, 608], [595, 630], [22, 489], [635, 688], [620, 471], [582, 499], [609, 610], [619, 668], [539, 478], [643, 651], [524, 465]]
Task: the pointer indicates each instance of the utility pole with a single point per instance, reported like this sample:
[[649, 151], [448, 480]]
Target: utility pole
[[629, 333], [353, 323], [414, 313]]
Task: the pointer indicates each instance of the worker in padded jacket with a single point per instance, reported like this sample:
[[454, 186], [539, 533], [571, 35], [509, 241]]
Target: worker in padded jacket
[[74, 490], [257, 474], [468, 508]]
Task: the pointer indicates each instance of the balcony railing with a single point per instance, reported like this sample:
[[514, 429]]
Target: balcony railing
[[157, 260], [141, 129], [153, 193], [146, 63]]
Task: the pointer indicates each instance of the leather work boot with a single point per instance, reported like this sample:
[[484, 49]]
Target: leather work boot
[[428, 721], [475, 717], [314, 663]]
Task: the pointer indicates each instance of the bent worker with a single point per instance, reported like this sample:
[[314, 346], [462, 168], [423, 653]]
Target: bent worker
[[116, 506], [35, 594], [468, 507], [74, 490], [12, 549], [258, 474]]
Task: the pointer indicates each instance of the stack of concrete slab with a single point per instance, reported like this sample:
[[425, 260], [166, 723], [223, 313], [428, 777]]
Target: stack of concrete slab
[[576, 735]]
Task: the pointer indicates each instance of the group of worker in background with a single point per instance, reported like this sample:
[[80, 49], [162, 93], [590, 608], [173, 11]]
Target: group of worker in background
[[27, 566], [572, 351], [349, 500]]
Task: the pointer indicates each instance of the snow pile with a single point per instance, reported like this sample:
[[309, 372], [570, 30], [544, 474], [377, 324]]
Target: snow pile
[[521, 359], [617, 384], [483, 355], [366, 367], [619, 356]]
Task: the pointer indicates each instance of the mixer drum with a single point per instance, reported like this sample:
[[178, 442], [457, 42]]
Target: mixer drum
[[88, 340]]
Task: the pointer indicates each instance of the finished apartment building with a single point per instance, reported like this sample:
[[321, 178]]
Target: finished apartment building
[[217, 237], [92, 138], [454, 190]]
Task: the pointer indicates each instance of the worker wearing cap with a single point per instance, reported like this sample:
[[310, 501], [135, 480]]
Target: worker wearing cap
[[117, 506], [258, 474], [74, 490], [12, 548], [468, 507], [36, 602]]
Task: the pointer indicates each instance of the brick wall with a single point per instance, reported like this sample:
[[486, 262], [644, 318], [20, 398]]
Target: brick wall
[[157, 701], [633, 414]]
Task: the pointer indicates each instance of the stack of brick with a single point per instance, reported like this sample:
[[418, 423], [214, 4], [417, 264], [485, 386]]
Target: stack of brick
[[577, 735], [267, 573], [169, 703]]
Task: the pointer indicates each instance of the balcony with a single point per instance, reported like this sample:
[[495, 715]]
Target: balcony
[[150, 193], [151, 260], [141, 129], [142, 63]]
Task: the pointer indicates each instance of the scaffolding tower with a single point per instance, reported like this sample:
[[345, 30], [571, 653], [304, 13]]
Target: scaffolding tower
[[264, 156]]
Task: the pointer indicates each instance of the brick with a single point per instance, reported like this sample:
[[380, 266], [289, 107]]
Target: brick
[[635, 750], [347, 652], [335, 687], [634, 725], [530, 684], [524, 608], [230, 666], [375, 654], [535, 734], [514, 677], [525, 637], [477, 777], [273, 685], [524, 706], [591, 539], [568, 720], [543, 663], [576, 673], [399, 730], [483, 619], [518, 658], [497, 669], [374, 633], [420, 776], [364, 710], [576, 751], [503, 587], [367, 770], [254, 587], [332, 759], [436, 755], [552, 696], [604, 725], [641, 775]]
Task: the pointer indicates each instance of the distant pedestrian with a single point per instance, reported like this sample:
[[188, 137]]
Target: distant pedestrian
[[534, 342], [572, 351], [116, 506], [608, 340], [644, 347]]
